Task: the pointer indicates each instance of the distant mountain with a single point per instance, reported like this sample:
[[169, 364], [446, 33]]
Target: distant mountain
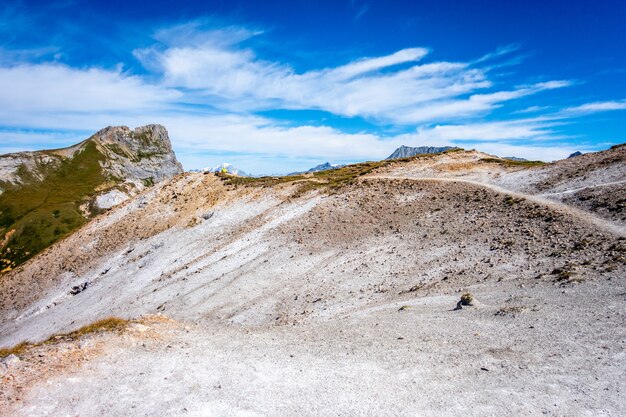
[[44, 195], [407, 151], [514, 158], [321, 167], [224, 167], [325, 167], [575, 154]]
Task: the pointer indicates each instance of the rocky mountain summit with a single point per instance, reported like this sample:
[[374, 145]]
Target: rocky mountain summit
[[144, 154], [46, 194], [408, 151]]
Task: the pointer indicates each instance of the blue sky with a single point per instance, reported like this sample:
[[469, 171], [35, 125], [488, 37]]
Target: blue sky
[[278, 86]]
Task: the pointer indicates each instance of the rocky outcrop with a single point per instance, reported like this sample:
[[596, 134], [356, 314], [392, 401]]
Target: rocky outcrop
[[142, 154], [408, 151]]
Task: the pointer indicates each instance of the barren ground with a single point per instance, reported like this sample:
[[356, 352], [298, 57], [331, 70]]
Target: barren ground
[[341, 304]]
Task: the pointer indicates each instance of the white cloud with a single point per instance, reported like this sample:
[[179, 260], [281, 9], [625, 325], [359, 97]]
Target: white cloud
[[531, 109], [391, 88], [366, 65], [201, 32], [26, 89], [492, 131], [501, 51], [598, 106], [258, 135], [263, 138]]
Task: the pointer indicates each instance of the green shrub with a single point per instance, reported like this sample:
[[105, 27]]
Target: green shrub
[[466, 299]]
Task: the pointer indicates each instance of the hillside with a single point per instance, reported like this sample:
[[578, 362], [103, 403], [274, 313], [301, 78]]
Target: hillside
[[45, 195], [594, 182], [280, 295]]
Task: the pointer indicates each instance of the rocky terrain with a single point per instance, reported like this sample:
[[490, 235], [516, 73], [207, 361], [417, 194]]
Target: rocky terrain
[[334, 293], [594, 182], [45, 195]]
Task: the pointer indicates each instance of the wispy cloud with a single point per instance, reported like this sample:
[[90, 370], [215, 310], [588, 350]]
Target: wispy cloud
[[500, 51], [595, 107], [361, 12], [531, 109], [55, 96], [393, 89]]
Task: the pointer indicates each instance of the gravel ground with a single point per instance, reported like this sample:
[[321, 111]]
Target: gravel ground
[[537, 350]]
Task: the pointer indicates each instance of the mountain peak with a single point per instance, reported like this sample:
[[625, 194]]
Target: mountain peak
[[143, 152]]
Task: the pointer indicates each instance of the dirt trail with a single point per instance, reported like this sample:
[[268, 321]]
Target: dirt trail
[[600, 223]]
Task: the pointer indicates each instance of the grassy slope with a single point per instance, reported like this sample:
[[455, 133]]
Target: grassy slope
[[42, 212], [510, 162]]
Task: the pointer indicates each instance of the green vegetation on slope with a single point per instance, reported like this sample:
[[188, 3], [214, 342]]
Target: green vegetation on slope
[[109, 324], [511, 162], [37, 213]]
